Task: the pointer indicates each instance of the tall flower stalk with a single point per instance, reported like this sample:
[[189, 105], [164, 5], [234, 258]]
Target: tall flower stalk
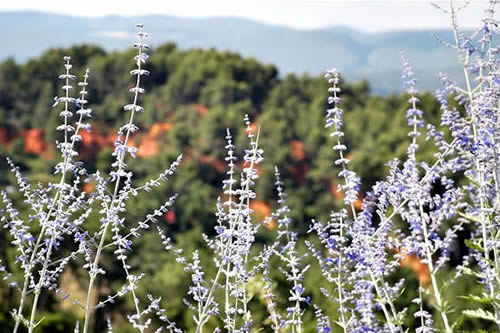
[[418, 210], [421, 220], [121, 149], [482, 106], [351, 187], [55, 228], [286, 250], [235, 235]]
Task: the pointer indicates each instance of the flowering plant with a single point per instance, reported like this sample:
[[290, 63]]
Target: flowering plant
[[418, 210]]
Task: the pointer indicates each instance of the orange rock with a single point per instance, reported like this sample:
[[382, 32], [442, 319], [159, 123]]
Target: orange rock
[[88, 187], [165, 127], [4, 139], [300, 170], [148, 148], [170, 217], [218, 165], [158, 129], [109, 139], [201, 109], [271, 225], [420, 269], [336, 194], [257, 167], [252, 128], [33, 141], [155, 130], [131, 142], [260, 208], [96, 140], [263, 212], [88, 139], [92, 142], [358, 204], [297, 148]]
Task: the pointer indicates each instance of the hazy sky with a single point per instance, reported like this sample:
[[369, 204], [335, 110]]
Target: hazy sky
[[366, 15]]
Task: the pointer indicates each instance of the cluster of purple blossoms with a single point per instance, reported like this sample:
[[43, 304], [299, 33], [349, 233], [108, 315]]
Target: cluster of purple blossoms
[[61, 210], [417, 210]]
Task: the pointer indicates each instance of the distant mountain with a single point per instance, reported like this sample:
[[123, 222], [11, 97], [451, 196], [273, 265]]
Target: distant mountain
[[358, 55]]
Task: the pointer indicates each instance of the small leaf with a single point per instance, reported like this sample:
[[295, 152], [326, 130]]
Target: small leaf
[[473, 245], [458, 322], [340, 324], [479, 299], [481, 314], [469, 271]]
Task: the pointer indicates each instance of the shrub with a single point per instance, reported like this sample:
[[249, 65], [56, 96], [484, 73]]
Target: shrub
[[416, 216]]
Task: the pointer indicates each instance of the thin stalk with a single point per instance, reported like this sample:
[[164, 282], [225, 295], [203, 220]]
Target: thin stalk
[[136, 300], [385, 298], [387, 220], [26, 280], [112, 206], [297, 302], [230, 200], [353, 210], [339, 282], [295, 277], [422, 322], [435, 288], [485, 221], [382, 304], [59, 206], [201, 317], [54, 200]]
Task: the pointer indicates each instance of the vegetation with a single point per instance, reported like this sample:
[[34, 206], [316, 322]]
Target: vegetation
[[192, 98]]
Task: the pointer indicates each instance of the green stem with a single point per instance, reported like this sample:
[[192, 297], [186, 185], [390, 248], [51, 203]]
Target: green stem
[[435, 288]]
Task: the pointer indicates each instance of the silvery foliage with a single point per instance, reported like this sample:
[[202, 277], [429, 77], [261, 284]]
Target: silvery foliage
[[356, 250], [59, 211]]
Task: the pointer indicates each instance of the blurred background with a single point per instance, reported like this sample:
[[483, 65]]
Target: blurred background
[[362, 38], [211, 63]]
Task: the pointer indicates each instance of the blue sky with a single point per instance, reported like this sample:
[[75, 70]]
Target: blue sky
[[365, 15]]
